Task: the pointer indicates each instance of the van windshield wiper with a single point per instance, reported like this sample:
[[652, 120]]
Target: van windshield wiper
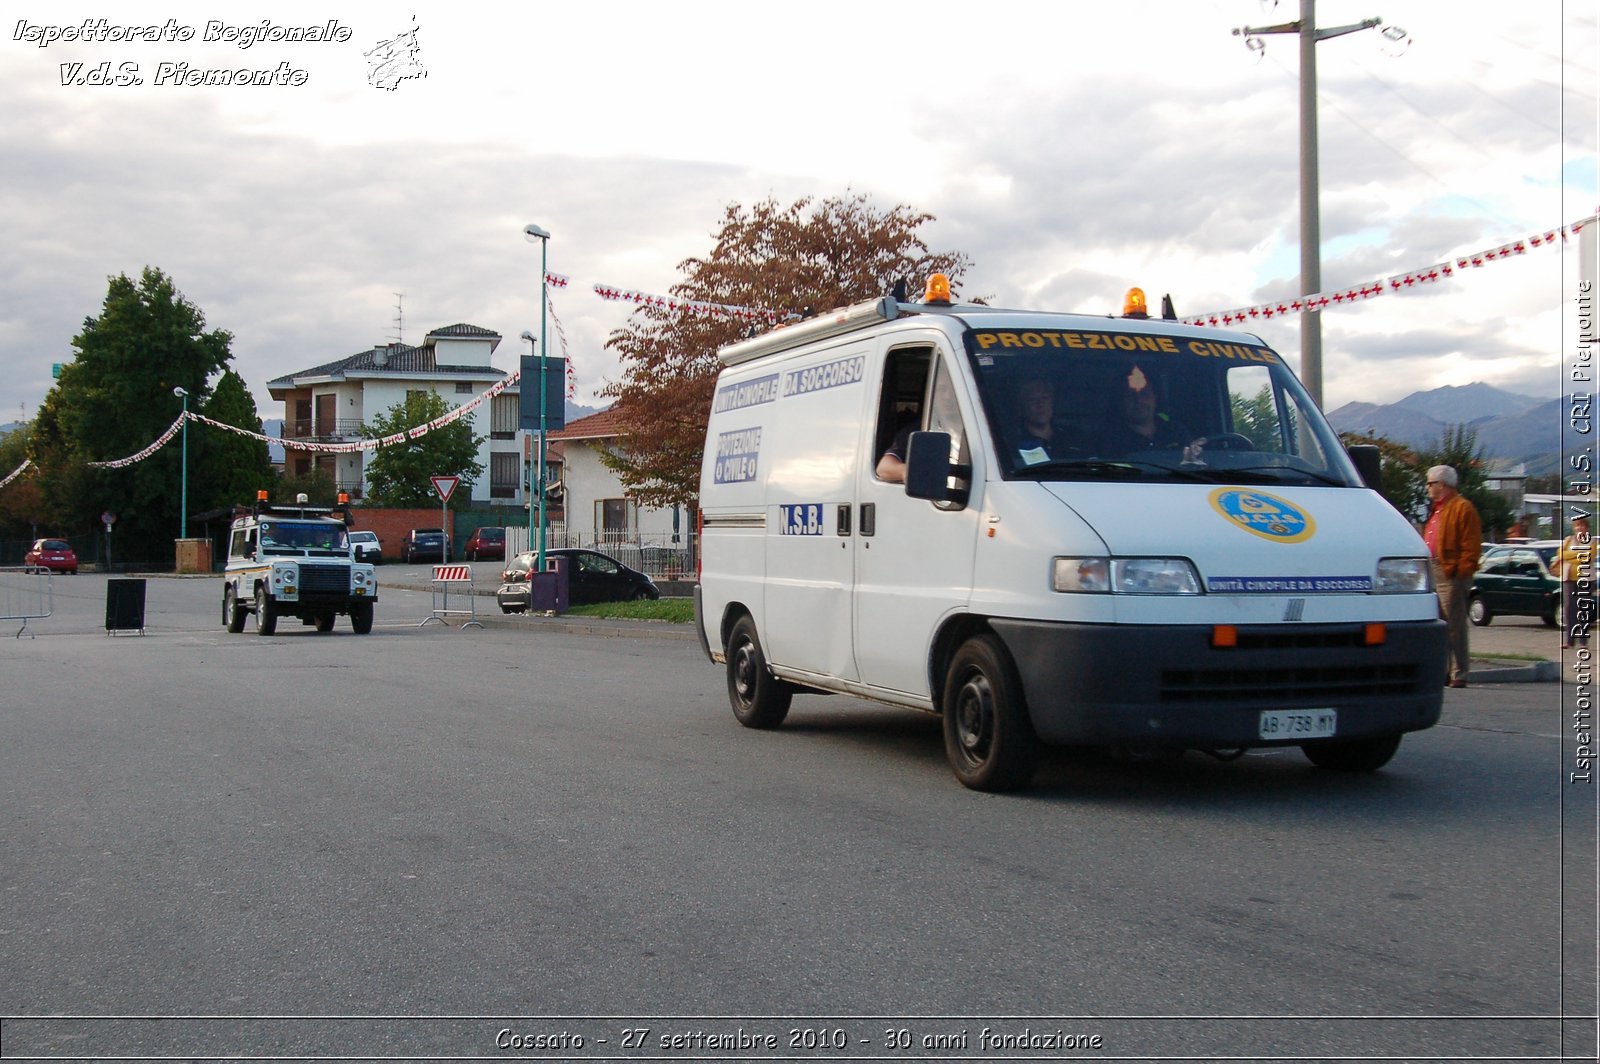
[[1125, 467], [1288, 470]]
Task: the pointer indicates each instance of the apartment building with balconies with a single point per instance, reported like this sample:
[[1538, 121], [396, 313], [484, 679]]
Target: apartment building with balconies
[[330, 403]]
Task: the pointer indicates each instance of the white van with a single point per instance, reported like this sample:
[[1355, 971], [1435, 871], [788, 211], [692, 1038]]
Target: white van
[[1106, 531]]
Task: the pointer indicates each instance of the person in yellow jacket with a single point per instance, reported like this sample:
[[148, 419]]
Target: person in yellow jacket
[[1575, 569], [1455, 537]]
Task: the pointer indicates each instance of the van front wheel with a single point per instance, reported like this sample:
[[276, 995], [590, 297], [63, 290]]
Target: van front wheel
[[987, 734], [759, 699], [266, 616], [1352, 755]]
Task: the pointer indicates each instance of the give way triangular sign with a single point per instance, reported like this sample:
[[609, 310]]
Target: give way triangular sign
[[444, 486]]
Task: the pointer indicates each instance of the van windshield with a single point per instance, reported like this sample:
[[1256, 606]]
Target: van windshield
[[1075, 404], [294, 537]]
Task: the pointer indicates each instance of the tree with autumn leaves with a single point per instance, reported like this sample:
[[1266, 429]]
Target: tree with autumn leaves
[[806, 258]]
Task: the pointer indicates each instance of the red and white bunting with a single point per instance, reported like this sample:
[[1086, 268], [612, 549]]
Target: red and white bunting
[[690, 306], [17, 472], [163, 440], [1400, 282]]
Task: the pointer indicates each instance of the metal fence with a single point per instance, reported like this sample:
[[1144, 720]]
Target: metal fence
[[659, 555], [25, 595]]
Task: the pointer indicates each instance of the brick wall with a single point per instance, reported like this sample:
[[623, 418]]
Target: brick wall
[[392, 526]]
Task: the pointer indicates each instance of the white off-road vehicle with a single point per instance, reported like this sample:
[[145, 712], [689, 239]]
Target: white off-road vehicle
[[295, 561]]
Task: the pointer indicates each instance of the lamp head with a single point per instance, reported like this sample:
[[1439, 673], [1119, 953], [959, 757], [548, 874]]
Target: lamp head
[[533, 232], [179, 392]]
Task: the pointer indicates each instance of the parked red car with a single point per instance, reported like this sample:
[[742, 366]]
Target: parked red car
[[56, 555], [487, 542]]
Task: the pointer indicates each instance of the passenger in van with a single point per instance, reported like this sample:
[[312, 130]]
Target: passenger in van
[[1136, 423]]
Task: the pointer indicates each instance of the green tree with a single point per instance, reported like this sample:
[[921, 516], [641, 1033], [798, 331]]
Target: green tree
[[1257, 417], [316, 485], [117, 397], [1458, 448], [21, 503], [398, 475], [808, 256], [226, 468], [1403, 481]]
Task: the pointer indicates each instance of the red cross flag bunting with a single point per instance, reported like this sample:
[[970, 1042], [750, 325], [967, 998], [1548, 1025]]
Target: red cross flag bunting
[[444, 486]]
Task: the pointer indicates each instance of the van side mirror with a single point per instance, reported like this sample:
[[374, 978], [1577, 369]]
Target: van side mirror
[[1369, 463], [928, 466]]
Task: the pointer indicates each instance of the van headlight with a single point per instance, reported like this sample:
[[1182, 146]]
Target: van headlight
[[1402, 576], [1126, 576]]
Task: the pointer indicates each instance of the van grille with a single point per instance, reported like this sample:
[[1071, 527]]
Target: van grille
[[1291, 682]]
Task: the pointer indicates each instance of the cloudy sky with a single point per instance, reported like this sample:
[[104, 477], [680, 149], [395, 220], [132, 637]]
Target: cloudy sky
[[1071, 149]]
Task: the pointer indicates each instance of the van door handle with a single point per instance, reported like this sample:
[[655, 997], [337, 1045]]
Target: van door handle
[[843, 525], [869, 518]]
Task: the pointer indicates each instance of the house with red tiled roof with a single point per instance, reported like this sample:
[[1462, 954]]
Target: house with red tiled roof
[[599, 511], [329, 404]]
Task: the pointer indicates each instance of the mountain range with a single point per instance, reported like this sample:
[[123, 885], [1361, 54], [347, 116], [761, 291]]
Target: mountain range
[[1510, 427]]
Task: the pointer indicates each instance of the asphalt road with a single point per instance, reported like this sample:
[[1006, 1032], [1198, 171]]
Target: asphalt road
[[227, 845]]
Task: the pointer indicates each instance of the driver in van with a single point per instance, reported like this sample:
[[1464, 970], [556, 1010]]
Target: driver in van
[[1041, 438], [1136, 424]]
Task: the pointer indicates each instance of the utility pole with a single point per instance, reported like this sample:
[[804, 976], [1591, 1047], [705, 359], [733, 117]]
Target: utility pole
[[1310, 224]]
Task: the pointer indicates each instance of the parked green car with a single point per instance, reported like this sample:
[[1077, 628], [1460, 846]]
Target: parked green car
[[1515, 579]]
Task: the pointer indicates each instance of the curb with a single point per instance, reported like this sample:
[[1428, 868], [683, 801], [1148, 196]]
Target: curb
[[1522, 672]]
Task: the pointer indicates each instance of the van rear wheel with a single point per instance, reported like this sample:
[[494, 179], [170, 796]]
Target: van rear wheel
[[988, 737], [759, 699], [232, 611]]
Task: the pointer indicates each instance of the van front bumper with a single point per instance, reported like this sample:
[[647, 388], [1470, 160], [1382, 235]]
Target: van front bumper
[[1169, 687]]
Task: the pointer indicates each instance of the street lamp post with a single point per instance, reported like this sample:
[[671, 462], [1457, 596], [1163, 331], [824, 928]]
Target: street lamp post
[[536, 466], [183, 489], [533, 232]]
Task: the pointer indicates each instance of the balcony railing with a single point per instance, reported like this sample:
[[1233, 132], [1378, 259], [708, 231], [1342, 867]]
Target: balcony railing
[[333, 430]]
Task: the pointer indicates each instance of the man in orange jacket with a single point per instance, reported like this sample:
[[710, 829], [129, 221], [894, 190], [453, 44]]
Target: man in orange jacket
[[1455, 536], [1575, 569]]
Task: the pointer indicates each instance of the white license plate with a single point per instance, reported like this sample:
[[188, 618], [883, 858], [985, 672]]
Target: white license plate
[[1298, 723]]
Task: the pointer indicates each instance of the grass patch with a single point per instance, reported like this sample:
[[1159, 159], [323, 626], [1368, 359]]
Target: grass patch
[[670, 610]]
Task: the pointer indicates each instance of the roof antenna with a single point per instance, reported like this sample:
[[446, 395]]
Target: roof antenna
[[399, 319], [1167, 311], [899, 292]]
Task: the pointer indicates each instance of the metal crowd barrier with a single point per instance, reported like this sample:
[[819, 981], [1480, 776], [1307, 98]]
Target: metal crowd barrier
[[25, 595], [444, 577]]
